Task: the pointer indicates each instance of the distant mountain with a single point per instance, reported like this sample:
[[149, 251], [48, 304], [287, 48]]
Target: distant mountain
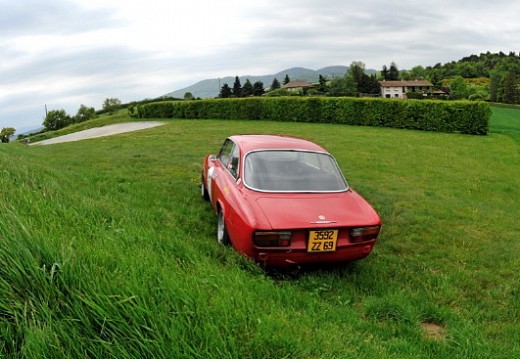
[[211, 87], [28, 130]]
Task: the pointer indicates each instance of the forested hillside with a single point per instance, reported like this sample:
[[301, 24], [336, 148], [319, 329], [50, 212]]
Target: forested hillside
[[488, 76]]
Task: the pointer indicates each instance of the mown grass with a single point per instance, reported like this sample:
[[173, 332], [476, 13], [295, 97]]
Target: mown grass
[[108, 251], [507, 121]]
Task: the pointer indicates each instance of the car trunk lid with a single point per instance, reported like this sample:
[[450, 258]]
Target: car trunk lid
[[345, 209]]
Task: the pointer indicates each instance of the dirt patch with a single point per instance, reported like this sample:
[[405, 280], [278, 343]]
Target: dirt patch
[[101, 132], [434, 331]]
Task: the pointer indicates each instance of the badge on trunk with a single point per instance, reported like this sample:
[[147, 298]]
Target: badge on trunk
[[323, 220]]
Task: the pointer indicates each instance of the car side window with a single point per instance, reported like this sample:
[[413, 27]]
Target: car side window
[[229, 154], [225, 152], [233, 163]]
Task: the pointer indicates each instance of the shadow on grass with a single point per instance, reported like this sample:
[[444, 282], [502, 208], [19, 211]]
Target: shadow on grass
[[296, 272]]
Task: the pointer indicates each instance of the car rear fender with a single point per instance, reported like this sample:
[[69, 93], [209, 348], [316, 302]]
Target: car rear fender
[[239, 217], [227, 211]]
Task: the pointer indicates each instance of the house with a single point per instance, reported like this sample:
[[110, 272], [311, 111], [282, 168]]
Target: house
[[297, 86], [399, 89]]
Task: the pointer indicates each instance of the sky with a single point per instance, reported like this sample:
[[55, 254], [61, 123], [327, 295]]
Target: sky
[[62, 54]]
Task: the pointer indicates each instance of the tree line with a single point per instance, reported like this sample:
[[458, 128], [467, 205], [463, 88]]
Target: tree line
[[493, 77], [239, 90], [355, 81], [57, 119]]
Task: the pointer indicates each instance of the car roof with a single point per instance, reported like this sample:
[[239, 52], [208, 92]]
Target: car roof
[[269, 142]]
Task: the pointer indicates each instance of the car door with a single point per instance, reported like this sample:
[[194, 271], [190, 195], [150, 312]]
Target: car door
[[225, 172], [227, 196]]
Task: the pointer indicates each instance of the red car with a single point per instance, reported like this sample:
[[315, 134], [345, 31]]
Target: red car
[[283, 201]]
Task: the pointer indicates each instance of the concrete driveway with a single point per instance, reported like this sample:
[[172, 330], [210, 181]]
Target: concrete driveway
[[101, 132]]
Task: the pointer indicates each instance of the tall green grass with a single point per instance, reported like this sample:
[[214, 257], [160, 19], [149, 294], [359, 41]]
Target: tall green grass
[[107, 251]]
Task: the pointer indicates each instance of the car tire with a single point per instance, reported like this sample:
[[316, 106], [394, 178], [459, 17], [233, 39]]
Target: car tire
[[203, 191], [222, 234]]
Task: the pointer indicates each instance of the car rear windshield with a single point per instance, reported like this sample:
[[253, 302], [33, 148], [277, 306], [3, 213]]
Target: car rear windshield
[[293, 171]]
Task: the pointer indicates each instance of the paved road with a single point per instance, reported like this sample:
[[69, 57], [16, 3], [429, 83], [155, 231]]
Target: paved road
[[101, 132]]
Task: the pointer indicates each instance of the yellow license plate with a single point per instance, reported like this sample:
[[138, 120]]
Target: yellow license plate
[[322, 241]]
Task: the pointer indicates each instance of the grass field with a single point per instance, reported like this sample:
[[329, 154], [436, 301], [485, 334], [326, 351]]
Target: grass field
[[107, 251], [506, 121]]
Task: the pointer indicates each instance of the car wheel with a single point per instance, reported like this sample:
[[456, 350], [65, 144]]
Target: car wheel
[[222, 234], [203, 191]]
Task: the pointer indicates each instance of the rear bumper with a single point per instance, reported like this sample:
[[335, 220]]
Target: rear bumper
[[294, 258]]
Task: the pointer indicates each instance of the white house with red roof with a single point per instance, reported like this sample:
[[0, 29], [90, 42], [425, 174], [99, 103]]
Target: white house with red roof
[[399, 89]]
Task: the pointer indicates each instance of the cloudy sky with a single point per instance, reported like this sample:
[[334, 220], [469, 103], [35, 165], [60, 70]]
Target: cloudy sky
[[64, 53]]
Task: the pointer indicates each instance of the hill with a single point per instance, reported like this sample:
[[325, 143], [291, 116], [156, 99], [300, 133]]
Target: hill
[[107, 251], [211, 87], [500, 69]]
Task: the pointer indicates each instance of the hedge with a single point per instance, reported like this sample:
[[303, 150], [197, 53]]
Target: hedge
[[427, 115]]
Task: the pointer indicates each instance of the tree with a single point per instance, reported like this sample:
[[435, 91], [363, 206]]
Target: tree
[[467, 69], [6, 133], [258, 88], [225, 91], [357, 70], [459, 89], [435, 77], [393, 73], [495, 86], [384, 73], [416, 72], [85, 113], [369, 85], [343, 86], [322, 85], [111, 105], [247, 89], [276, 84], [365, 84], [286, 80], [189, 96], [237, 88], [56, 119], [511, 93]]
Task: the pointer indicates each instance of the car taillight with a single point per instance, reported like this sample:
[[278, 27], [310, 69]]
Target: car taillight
[[363, 234], [272, 239]]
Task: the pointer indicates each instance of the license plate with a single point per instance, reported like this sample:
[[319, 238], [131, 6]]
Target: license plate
[[322, 241]]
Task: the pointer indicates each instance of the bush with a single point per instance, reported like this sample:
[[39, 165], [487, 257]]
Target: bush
[[155, 110], [479, 96], [278, 92], [416, 95], [427, 115]]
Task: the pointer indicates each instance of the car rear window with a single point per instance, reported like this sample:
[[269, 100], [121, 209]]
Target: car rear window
[[293, 171]]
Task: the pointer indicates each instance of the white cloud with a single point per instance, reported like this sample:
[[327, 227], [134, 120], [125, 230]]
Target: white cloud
[[65, 53]]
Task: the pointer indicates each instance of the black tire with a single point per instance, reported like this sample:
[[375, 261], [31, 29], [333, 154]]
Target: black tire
[[222, 234]]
